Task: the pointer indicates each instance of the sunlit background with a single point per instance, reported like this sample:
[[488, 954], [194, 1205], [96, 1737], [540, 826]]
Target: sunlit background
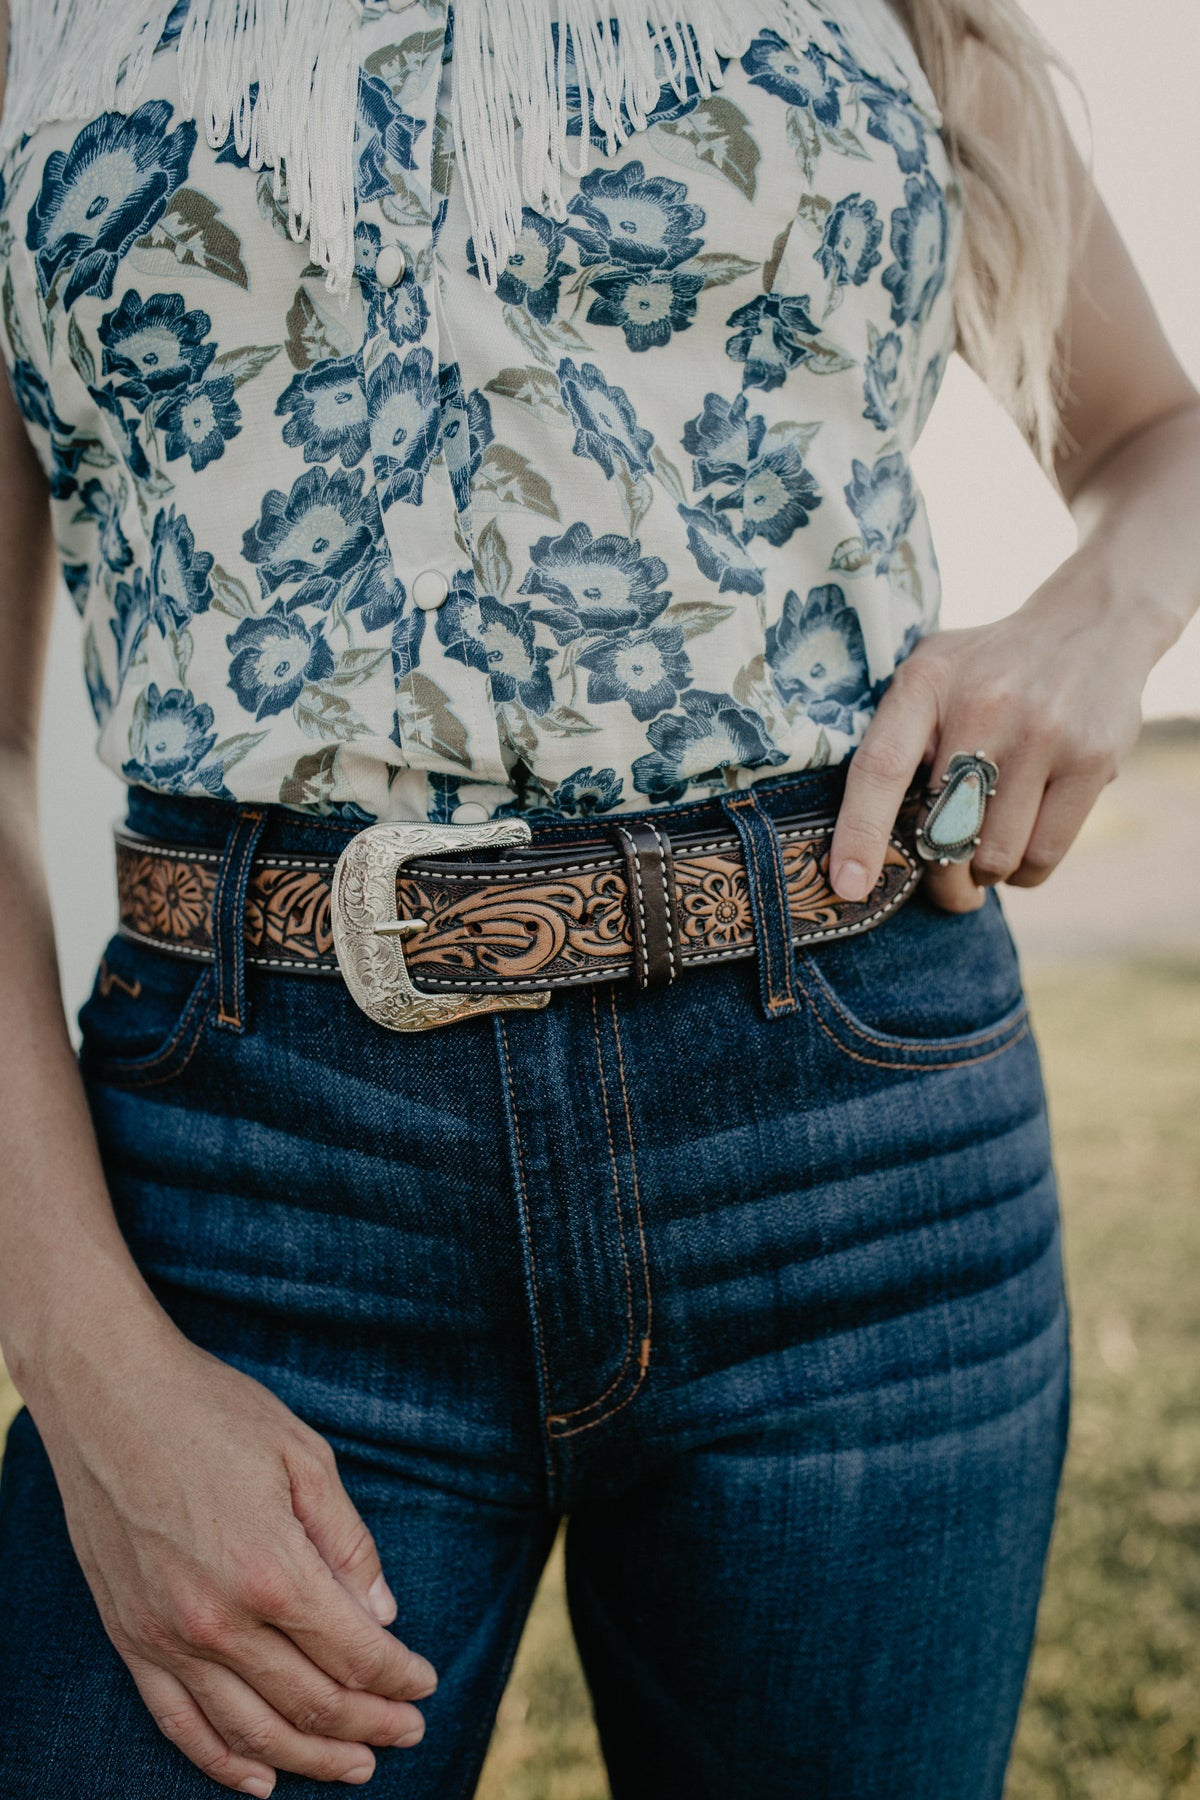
[[1112, 950]]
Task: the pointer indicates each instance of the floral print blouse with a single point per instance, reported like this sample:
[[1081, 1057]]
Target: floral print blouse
[[637, 524]]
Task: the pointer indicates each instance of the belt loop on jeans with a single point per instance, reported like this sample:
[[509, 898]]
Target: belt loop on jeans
[[228, 918], [768, 901]]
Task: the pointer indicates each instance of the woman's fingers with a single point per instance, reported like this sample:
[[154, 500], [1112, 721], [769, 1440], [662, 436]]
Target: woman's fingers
[[308, 1698], [336, 1527], [1065, 805], [302, 1598], [255, 1732], [878, 777], [182, 1722], [1007, 823]]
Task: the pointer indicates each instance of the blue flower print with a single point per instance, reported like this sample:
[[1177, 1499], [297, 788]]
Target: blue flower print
[[155, 345], [605, 423], [648, 670], [368, 241], [67, 446], [720, 554], [200, 422], [895, 121], [931, 381], [104, 193], [97, 502], [179, 573], [174, 26], [316, 534], [131, 604], [849, 247], [407, 633], [802, 80], [777, 496], [466, 431], [172, 744], [646, 307], [586, 792], [78, 579], [724, 439], [326, 412], [273, 657], [501, 645], [124, 429], [884, 501], [771, 338], [816, 654], [402, 401], [533, 273], [383, 135], [625, 216], [712, 733], [919, 232], [377, 592], [879, 378], [595, 583]]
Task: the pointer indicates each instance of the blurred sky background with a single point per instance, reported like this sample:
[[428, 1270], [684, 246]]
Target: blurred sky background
[[998, 526]]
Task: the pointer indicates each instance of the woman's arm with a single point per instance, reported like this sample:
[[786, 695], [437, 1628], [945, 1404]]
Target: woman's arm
[[229, 1566], [1053, 692]]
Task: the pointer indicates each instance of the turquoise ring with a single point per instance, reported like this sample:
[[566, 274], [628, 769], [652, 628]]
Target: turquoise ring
[[952, 826]]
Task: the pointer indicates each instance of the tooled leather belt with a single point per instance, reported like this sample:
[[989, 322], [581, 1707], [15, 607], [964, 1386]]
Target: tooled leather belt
[[645, 898]]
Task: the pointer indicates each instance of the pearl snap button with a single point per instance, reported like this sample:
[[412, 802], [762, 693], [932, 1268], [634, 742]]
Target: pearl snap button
[[430, 589], [469, 813], [389, 265], [397, 5]]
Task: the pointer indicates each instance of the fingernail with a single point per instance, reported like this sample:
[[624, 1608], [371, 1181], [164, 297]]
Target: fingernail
[[412, 1736], [381, 1600], [259, 1786], [852, 882], [359, 1773]]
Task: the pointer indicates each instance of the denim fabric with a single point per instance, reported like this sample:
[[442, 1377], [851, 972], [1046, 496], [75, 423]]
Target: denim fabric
[[772, 1308]]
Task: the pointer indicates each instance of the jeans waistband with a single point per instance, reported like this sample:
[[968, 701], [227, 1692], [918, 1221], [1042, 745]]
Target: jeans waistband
[[205, 823]]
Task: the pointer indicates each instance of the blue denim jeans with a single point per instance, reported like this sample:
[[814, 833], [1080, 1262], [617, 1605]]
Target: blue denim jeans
[[768, 1302]]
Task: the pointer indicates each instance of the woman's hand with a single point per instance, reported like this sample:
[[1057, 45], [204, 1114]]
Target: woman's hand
[[230, 1569], [1051, 694]]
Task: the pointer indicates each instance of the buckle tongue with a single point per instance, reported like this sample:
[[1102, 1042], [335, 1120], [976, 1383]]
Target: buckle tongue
[[368, 937]]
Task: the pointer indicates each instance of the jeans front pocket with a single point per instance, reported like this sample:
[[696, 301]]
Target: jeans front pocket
[[927, 989], [142, 1021]]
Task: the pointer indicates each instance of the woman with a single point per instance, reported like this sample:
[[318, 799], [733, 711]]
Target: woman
[[540, 504]]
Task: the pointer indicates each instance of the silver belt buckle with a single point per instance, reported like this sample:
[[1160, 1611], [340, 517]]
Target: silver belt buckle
[[368, 937]]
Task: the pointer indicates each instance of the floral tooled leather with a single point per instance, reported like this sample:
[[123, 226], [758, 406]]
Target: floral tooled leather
[[492, 925]]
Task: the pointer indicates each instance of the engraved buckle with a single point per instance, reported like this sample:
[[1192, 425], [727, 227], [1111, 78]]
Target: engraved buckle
[[368, 937]]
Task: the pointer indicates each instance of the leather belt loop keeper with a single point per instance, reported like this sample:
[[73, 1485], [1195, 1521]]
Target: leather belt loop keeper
[[767, 881], [654, 919], [229, 918]]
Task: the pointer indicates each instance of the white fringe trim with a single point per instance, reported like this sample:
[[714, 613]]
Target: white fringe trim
[[78, 58]]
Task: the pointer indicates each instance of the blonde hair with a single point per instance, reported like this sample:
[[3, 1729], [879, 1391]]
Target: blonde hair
[[1018, 239]]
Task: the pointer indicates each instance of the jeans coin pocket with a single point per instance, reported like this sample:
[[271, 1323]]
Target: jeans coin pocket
[[925, 989], [141, 1022]]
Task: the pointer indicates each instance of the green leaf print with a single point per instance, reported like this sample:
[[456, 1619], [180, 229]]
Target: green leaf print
[[230, 595], [397, 63], [507, 482], [427, 720], [820, 756], [636, 495], [536, 389], [232, 749], [714, 135], [805, 139], [695, 617], [322, 712], [717, 268], [242, 365], [313, 334], [191, 235], [669, 475], [493, 561], [81, 356], [851, 554]]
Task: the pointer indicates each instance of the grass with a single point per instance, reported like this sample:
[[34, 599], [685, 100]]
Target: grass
[[1112, 1709]]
